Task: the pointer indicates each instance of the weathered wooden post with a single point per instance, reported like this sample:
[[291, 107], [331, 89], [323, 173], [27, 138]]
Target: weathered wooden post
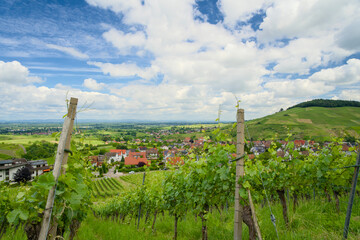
[[71, 114], [351, 197], [64, 142], [240, 137], [257, 228]]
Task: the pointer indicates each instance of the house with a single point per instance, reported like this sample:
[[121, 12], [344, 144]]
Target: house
[[164, 147], [299, 143], [116, 155], [187, 140], [135, 157], [175, 161], [8, 168], [142, 149], [258, 149], [38, 167], [97, 160], [152, 153]]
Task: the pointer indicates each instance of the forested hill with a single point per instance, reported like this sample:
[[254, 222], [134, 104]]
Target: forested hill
[[327, 103]]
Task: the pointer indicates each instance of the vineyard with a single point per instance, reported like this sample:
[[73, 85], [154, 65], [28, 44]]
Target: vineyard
[[205, 184], [198, 196], [110, 187]]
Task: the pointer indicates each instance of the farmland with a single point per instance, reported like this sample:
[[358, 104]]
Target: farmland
[[306, 192]]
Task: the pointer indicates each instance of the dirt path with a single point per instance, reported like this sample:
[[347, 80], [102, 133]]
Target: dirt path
[[109, 174], [23, 148]]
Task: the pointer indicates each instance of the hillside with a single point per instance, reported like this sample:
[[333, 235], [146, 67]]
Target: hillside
[[316, 123], [328, 103]]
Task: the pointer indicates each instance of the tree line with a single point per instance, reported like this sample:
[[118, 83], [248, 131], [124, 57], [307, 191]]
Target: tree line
[[328, 103]]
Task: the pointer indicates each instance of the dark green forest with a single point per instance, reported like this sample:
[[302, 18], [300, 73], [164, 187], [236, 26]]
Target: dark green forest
[[328, 103]]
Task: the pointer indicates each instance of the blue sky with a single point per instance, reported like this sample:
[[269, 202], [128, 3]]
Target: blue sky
[[175, 60]]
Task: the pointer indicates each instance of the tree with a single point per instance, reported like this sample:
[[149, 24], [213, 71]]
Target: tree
[[102, 151], [22, 175], [349, 138], [121, 146], [141, 164], [39, 150], [105, 138]]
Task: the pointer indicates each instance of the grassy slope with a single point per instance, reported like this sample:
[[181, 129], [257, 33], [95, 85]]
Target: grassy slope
[[312, 220], [9, 144], [8, 151], [314, 123]]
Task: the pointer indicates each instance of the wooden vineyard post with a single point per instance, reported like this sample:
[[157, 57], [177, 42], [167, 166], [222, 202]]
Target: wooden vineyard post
[[351, 197], [71, 114], [257, 228], [60, 155], [240, 129]]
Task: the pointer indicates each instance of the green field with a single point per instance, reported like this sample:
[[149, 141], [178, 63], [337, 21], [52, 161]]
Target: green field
[[28, 139], [8, 151], [312, 123], [25, 139], [10, 145], [109, 187], [106, 187]]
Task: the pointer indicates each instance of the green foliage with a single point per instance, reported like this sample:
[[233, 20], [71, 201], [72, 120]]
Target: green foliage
[[40, 150], [22, 175], [25, 205]]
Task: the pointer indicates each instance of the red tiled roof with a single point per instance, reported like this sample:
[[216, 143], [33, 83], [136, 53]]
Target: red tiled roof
[[175, 160], [135, 157], [123, 151], [299, 142]]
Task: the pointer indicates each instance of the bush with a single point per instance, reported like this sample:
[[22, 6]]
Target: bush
[[22, 175]]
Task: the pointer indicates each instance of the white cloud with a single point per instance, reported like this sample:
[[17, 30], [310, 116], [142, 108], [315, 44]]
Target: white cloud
[[305, 18], [349, 37], [298, 88], [33, 102], [69, 50], [93, 84], [204, 61], [203, 65], [115, 5], [350, 94], [15, 73], [342, 75], [125, 70], [235, 10], [124, 42], [304, 54]]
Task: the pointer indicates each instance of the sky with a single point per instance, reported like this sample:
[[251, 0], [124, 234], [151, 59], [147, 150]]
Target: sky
[[175, 59]]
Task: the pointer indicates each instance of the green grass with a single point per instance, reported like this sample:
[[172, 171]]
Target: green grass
[[312, 220], [29, 139], [8, 151], [25, 139], [315, 220], [106, 187], [314, 123], [137, 178]]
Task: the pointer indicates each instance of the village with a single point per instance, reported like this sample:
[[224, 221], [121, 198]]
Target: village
[[159, 149]]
